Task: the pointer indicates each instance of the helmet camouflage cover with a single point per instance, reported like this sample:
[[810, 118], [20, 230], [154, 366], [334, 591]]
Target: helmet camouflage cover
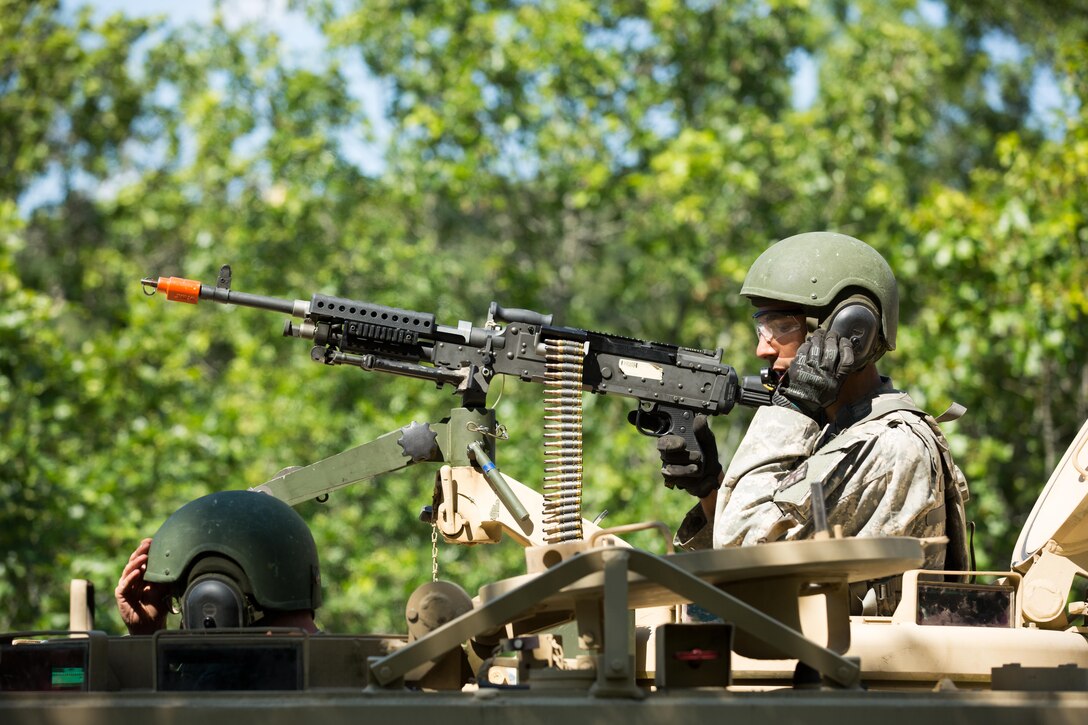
[[816, 270], [264, 536]]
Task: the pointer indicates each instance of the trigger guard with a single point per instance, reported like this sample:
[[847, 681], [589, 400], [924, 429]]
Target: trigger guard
[[650, 424]]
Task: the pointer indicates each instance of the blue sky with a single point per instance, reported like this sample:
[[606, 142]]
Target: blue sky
[[302, 41], [304, 44], [293, 26]]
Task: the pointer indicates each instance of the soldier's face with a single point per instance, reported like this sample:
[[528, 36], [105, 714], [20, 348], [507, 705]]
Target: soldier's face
[[780, 330]]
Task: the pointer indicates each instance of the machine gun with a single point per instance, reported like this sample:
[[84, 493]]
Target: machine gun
[[671, 384]]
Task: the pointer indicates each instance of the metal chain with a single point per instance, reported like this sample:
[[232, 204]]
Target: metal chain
[[499, 433], [434, 552]]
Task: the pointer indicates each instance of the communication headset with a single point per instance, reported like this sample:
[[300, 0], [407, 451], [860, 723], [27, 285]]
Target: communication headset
[[215, 597], [857, 319]]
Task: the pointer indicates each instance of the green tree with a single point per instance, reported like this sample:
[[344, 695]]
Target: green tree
[[66, 108], [1010, 334]]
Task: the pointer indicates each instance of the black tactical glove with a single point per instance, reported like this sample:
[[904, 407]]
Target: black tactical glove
[[694, 471], [823, 362]]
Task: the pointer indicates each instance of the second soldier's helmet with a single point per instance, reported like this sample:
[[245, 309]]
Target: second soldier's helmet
[[233, 555], [819, 270]]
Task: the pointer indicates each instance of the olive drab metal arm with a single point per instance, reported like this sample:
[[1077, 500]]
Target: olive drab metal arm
[[450, 441], [466, 507]]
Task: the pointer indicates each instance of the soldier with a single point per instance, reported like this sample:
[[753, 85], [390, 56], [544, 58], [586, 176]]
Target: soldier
[[883, 464], [232, 559]]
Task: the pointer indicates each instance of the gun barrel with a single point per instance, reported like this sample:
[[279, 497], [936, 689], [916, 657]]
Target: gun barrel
[[298, 308], [191, 291]]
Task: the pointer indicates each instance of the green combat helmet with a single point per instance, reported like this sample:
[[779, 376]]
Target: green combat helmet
[[818, 271], [236, 554]]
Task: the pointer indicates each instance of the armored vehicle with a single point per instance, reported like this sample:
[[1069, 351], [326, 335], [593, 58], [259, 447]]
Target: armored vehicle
[[595, 629]]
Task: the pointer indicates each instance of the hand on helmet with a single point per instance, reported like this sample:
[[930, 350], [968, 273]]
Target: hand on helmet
[[142, 604], [822, 363], [695, 471]]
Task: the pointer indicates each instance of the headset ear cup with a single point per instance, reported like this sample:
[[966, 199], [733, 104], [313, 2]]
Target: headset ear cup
[[213, 601], [857, 319]]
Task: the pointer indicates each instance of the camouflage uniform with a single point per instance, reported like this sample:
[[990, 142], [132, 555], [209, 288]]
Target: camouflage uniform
[[884, 466]]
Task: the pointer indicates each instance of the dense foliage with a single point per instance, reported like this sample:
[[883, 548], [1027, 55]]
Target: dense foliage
[[617, 163]]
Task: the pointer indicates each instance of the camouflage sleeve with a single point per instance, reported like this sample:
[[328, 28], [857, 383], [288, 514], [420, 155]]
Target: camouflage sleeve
[[775, 445], [882, 477], [897, 488]]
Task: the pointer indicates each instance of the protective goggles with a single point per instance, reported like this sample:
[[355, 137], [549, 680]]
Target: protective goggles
[[776, 324]]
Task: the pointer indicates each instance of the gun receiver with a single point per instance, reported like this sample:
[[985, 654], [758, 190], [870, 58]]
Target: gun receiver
[[671, 384]]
